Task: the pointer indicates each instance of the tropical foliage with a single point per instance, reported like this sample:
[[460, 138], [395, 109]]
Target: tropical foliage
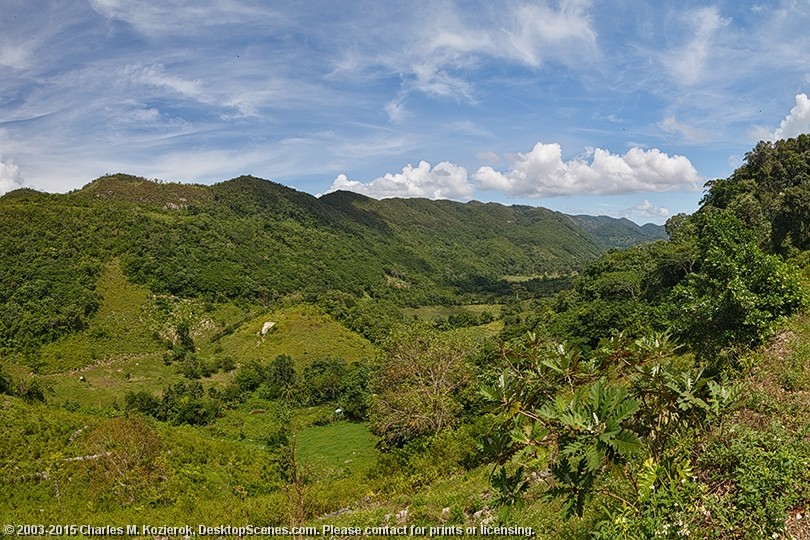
[[249, 354]]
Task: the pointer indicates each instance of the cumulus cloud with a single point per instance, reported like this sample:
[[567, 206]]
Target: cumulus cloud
[[444, 181], [543, 173], [646, 209], [10, 178], [797, 122]]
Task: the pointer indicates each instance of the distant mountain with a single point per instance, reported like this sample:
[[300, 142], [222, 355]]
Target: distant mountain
[[620, 232], [249, 239]]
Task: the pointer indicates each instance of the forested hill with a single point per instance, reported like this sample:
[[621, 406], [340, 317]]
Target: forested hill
[[254, 240], [244, 353]]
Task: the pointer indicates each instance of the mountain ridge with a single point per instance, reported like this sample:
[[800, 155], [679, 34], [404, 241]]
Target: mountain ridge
[[253, 240]]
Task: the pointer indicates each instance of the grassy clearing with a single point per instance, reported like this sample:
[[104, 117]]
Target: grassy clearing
[[106, 383], [126, 333], [121, 327], [342, 445], [303, 332], [778, 381]]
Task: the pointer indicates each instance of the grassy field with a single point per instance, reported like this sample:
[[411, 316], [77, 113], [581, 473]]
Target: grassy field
[[122, 327], [303, 332], [342, 445], [125, 345]]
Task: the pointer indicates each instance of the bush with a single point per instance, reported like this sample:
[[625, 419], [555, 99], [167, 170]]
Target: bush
[[354, 393], [764, 474], [417, 389], [143, 402], [31, 389], [321, 380]]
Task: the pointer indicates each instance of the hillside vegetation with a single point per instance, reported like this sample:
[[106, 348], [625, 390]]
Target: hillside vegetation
[[431, 364], [251, 241]]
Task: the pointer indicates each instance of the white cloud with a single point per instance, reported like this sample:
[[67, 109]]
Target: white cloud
[[156, 75], [646, 209], [687, 63], [527, 33], [185, 16], [10, 178], [734, 161], [435, 51], [491, 157], [690, 133], [542, 29], [543, 173], [797, 122], [14, 55], [444, 181], [395, 109]]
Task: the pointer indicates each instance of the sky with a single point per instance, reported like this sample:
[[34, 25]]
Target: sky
[[621, 108]]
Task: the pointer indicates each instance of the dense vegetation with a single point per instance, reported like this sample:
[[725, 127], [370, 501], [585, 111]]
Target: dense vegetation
[[252, 241], [428, 363]]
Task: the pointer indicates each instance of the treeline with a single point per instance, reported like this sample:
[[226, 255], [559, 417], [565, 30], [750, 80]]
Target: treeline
[[324, 381]]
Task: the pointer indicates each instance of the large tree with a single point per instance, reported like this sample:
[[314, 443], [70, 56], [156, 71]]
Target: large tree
[[420, 385]]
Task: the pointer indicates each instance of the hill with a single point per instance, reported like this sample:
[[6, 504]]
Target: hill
[[620, 232], [256, 241], [658, 392]]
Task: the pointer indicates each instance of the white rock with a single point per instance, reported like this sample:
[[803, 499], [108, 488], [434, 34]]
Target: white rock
[[267, 327]]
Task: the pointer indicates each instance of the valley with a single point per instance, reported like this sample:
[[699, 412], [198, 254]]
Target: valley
[[244, 354]]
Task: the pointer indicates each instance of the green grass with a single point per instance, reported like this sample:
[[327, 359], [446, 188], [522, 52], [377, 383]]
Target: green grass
[[120, 328], [303, 332], [341, 445], [118, 352]]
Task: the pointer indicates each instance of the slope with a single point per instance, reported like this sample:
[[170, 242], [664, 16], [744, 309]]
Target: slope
[[253, 241]]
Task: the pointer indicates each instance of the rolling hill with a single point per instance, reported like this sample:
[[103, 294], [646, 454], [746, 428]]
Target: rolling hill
[[255, 241]]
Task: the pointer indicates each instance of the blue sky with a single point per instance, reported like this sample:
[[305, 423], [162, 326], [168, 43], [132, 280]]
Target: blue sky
[[622, 108]]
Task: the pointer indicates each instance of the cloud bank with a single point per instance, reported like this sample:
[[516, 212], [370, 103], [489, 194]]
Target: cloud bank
[[540, 173], [543, 173]]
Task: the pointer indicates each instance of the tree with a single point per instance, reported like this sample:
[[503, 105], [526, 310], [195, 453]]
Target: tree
[[419, 386], [281, 372], [125, 452], [321, 380], [738, 294], [354, 390]]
